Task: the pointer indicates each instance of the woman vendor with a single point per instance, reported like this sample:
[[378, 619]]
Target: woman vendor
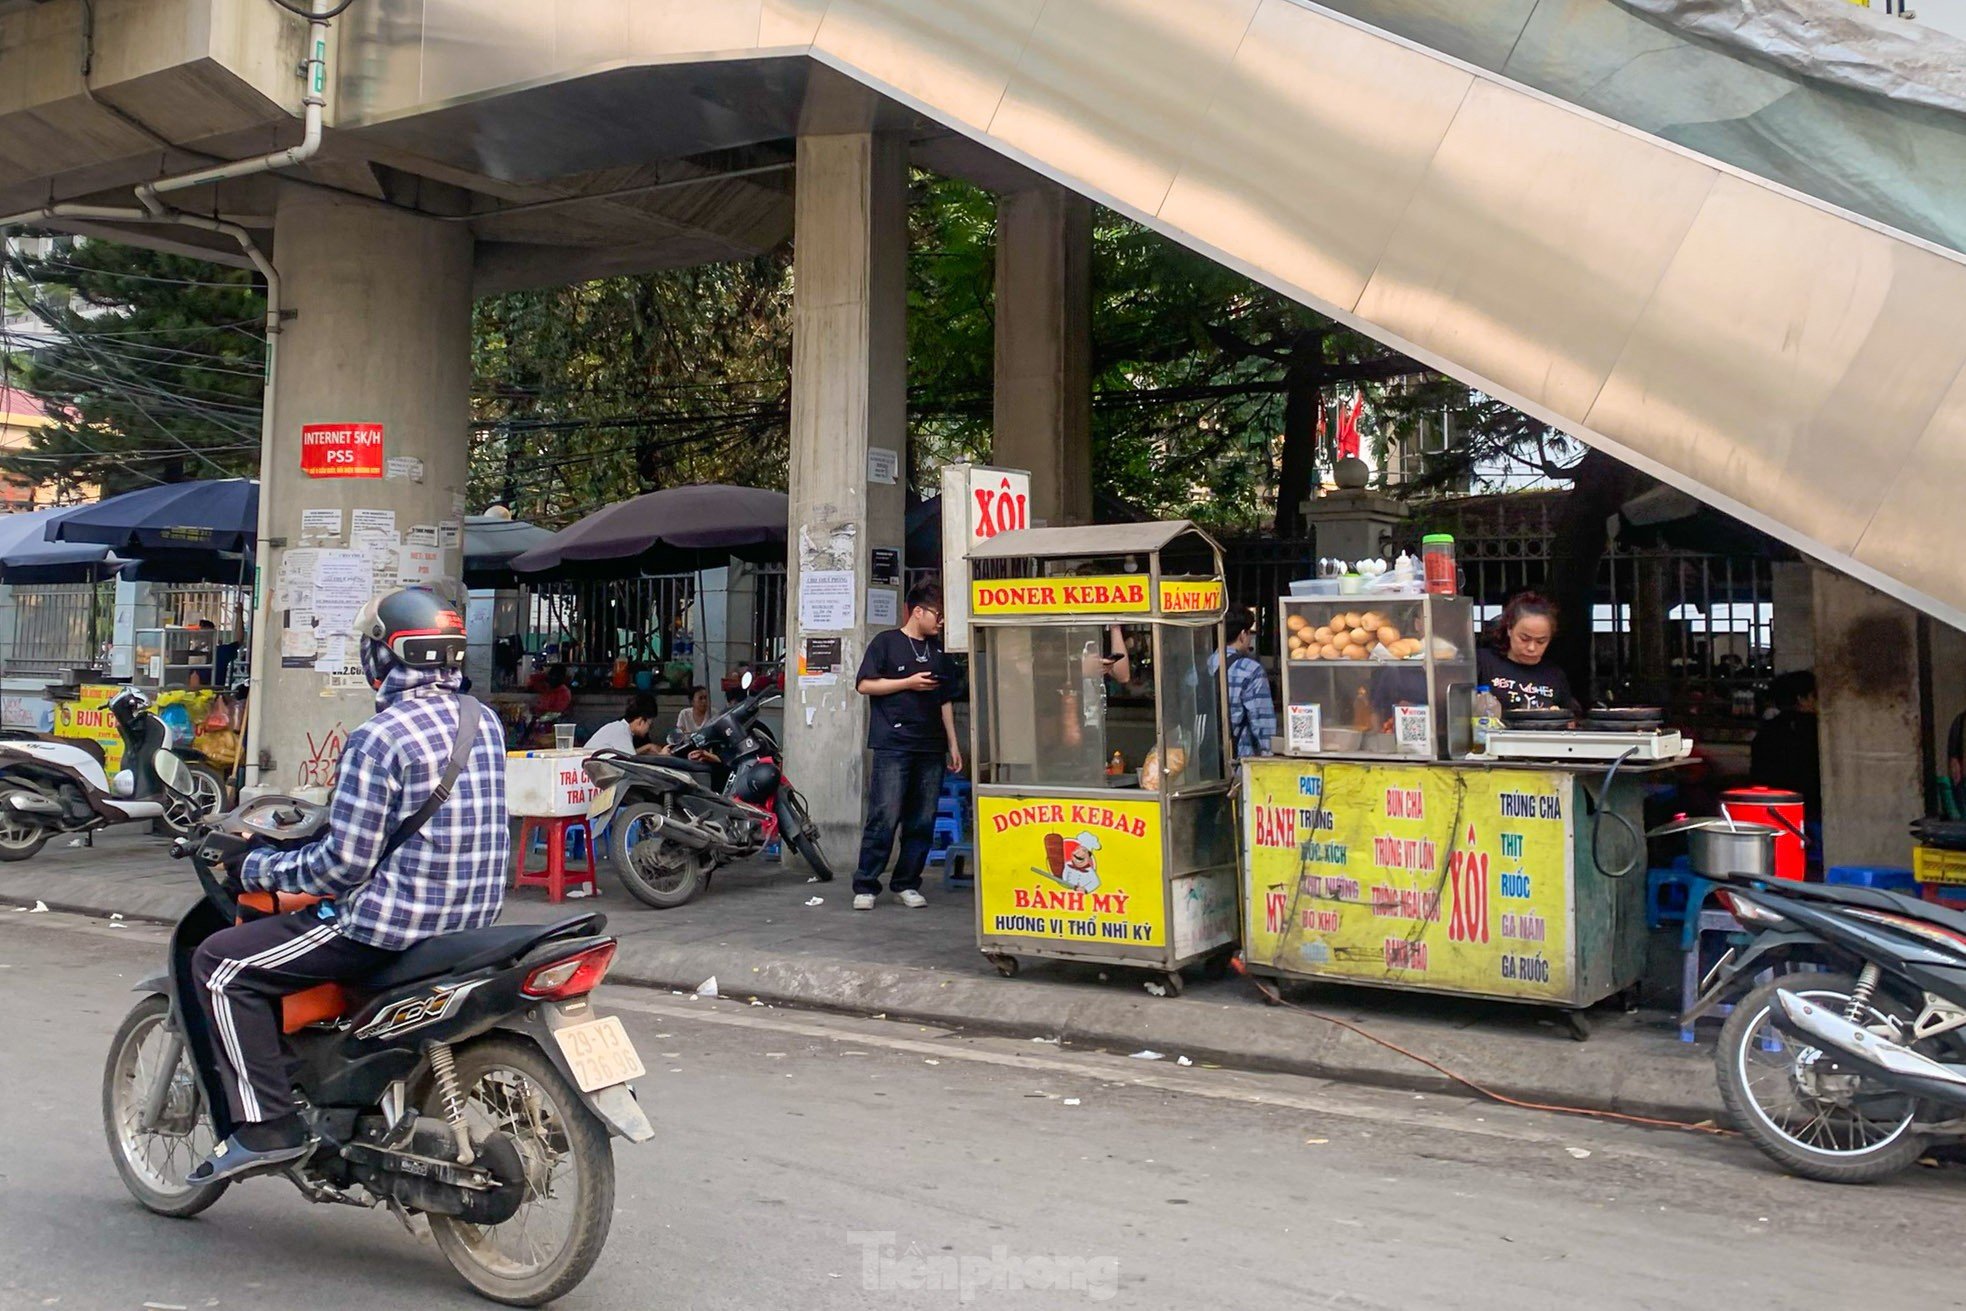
[[1512, 657]]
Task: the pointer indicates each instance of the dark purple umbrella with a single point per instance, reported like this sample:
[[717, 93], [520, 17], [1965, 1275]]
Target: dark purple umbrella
[[672, 530]]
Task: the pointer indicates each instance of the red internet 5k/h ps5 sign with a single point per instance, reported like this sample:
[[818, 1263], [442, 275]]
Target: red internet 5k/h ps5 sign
[[341, 450]]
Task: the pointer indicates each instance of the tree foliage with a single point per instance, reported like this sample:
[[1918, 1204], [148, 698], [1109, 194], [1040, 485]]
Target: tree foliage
[[151, 365]]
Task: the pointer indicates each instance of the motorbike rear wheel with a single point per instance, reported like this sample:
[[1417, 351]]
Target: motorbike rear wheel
[[1835, 1127], [154, 1162], [656, 871], [802, 833], [543, 1251], [20, 837]]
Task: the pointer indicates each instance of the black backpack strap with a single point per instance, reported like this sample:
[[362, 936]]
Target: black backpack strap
[[470, 717]]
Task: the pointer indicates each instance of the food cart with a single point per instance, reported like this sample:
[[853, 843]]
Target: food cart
[[1392, 846], [1105, 829]]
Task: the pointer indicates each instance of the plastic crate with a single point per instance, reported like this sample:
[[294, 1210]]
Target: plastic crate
[[1935, 865]]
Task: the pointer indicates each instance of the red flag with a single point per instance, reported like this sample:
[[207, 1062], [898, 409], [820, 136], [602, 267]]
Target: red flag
[[1348, 426]]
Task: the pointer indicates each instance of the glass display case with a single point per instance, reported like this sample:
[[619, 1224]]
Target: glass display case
[[168, 657], [1377, 676], [1105, 825]]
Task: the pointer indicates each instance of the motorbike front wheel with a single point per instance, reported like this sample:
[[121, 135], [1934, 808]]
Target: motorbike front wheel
[[796, 823], [656, 871], [550, 1244], [154, 1161], [205, 797], [1813, 1120]]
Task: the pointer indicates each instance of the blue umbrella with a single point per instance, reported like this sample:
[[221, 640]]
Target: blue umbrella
[[27, 556], [198, 518]]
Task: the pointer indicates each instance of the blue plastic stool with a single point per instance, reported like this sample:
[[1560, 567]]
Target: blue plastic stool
[[959, 866], [1885, 878]]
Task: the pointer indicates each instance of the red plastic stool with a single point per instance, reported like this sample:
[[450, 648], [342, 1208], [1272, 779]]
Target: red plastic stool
[[557, 874]]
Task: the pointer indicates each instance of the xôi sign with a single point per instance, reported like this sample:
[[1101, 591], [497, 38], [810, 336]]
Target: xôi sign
[[1119, 594], [341, 450], [1070, 870]]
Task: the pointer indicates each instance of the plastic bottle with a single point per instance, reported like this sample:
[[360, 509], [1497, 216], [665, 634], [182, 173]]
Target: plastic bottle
[[1116, 766], [1487, 716], [1437, 552]]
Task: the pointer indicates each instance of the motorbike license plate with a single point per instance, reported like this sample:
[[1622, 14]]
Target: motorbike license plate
[[603, 801], [600, 1053]]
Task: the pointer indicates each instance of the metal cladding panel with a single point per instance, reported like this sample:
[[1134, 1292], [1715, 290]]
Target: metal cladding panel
[[957, 54], [1790, 359], [482, 45], [1320, 197], [1532, 245], [1904, 539], [1108, 91]]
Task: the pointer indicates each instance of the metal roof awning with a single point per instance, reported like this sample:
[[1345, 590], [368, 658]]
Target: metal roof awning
[[1088, 540]]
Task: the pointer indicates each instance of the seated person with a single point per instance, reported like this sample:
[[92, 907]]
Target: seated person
[[555, 692], [629, 734]]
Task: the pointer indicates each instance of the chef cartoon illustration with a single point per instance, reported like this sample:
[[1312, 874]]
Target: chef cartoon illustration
[[1074, 861]]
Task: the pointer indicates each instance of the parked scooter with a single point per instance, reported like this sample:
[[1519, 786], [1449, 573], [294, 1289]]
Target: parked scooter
[[471, 1079], [1845, 1064], [49, 786], [721, 795]]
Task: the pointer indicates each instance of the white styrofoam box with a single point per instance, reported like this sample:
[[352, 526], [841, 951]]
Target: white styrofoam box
[[547, 783]]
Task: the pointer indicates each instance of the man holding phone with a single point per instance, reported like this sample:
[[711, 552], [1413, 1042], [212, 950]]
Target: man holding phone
[[911, 729]]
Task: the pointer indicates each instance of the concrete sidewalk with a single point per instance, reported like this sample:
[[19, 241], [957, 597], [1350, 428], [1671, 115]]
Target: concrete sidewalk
[[754, 933]]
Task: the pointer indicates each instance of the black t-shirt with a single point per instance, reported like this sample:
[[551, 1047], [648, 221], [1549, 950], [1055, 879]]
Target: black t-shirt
[[1540, 686], [907, 721]]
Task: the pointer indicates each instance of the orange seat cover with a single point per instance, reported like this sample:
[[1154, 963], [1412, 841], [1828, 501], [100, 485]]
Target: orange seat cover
[[323, 1001], [276, 903]]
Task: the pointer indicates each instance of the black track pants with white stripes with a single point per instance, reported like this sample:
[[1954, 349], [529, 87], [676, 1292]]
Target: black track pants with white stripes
[[242, 973]]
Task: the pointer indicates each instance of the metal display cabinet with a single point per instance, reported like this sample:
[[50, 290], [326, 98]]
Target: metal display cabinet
[[1377, 677], [1106, 830]]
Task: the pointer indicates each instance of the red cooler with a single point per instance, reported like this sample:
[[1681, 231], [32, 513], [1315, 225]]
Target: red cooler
[[1779, 810]]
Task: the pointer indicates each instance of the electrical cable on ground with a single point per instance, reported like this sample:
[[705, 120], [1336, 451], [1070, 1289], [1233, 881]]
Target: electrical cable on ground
[[1276, 998]]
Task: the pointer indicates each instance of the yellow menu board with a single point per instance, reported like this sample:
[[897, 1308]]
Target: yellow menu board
[[1452, 880]]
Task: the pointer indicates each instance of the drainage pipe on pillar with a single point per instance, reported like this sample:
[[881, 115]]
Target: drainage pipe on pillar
[[314, 75]]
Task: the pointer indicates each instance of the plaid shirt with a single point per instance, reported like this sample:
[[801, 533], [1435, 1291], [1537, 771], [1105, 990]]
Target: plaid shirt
[[1252, 714], [451, 875]]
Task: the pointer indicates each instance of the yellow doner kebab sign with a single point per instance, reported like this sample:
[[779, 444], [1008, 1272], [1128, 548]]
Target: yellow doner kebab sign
[[1119, 594]]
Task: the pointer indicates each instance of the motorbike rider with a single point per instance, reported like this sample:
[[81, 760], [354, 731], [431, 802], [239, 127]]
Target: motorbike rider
[[448, 876]]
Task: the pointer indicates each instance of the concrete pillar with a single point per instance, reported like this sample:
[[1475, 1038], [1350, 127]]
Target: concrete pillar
[[135, 607], [849, 409], [1871, 721], [381, 334], [1044, 348]]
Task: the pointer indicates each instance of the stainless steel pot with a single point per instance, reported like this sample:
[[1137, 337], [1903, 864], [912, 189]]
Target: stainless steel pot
[[1723, 846]]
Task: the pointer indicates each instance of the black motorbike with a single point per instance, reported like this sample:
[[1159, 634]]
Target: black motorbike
[[471, 1080], [720, 795], [1851, 1058]]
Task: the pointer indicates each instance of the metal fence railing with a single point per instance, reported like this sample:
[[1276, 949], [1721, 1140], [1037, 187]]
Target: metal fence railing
[[226, 605], [61, 625]]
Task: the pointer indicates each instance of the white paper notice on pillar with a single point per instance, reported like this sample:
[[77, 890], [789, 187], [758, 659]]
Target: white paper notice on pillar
[[826, 600], [883, 607], [991, 501], [320, 527], [883, 465], [419, 565]]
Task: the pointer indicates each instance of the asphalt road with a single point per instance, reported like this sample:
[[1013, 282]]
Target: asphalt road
[[808, 1161]]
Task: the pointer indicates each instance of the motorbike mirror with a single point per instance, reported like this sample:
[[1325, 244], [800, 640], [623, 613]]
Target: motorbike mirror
[[746, 681]]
